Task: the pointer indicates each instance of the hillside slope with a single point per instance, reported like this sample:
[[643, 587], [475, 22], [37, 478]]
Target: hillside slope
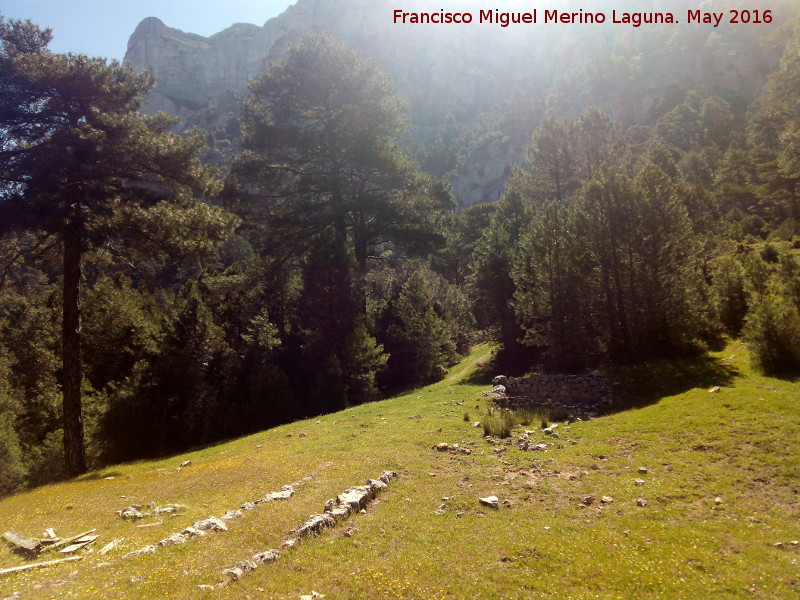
[[721, 490]]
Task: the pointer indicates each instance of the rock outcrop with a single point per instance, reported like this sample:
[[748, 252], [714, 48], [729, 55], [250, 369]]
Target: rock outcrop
[[203, 80]]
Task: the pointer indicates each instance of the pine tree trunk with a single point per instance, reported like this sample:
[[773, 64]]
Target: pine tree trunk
[[74, 451]]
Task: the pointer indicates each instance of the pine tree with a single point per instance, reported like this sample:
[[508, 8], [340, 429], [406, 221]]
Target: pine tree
[[73, 149], [322, 169]]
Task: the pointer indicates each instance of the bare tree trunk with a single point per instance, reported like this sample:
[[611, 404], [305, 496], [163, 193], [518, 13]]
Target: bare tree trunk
[[74, 450]]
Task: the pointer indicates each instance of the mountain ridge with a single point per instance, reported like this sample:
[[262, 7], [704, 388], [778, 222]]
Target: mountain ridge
[[496, 83]]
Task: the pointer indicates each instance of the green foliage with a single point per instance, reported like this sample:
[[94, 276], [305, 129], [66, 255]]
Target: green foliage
[[769, 253], [773, 333], [423, 323], [12, 468], [730, 293], [611, 269], [499, 424], [122, 328], [73, 146]]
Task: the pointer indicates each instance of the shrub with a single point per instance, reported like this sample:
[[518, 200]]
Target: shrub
[[499, 424], [753, 225], [769, 253]]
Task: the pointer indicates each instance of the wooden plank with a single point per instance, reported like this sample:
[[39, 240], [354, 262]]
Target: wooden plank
[[69, 540], [22, 543], [39, 565], [79, 543]]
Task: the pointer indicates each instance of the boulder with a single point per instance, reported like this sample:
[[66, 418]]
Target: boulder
[[500, 380]]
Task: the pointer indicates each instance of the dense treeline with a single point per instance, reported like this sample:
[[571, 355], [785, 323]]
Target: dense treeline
[[323, 267]]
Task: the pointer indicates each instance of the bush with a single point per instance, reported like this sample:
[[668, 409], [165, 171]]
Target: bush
[[753, 225], [769, 253], [499, 423]]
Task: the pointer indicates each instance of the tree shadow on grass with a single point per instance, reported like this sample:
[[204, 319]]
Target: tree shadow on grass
[[482, 375], [99, 474], [642, 385]]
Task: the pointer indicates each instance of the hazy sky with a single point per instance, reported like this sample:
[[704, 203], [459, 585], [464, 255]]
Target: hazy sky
[[102, 27]]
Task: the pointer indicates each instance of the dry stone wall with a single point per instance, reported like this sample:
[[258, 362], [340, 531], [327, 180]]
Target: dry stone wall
[[586, 392]]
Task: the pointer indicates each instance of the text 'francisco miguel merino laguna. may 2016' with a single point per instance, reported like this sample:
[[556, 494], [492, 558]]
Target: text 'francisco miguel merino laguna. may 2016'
[[580, 17]]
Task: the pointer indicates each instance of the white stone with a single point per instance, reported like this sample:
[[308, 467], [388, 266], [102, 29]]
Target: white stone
[[490, 501]]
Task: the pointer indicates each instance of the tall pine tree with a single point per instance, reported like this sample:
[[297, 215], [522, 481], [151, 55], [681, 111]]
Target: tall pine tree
[[73, 150]]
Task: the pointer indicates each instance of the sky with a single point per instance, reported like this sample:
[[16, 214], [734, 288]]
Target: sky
[[102, 27]]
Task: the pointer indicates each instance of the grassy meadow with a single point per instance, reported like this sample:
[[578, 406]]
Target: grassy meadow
[[722, 492]]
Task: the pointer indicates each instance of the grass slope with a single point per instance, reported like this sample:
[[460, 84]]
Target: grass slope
[[739, 445]]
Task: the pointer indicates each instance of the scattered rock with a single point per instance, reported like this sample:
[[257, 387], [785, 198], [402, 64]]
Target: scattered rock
[[109, 546], [639, 481], [312, 596], [641, 502], [387, 476], [340, 513], [588, 500], [291, 543], [376, 485], [130, 513], [607, 500], [714, 390], [286, 492], [141, 552], [476, 424], [175, 538], [315, 525], [717, 500], [212, 524], [355, 498], [237, 571], [269, 556], [490, 501], [186, 463], [643, 470], [329, 505]]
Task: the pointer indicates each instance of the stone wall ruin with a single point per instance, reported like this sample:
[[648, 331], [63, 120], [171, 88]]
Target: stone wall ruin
[[572, 392]]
